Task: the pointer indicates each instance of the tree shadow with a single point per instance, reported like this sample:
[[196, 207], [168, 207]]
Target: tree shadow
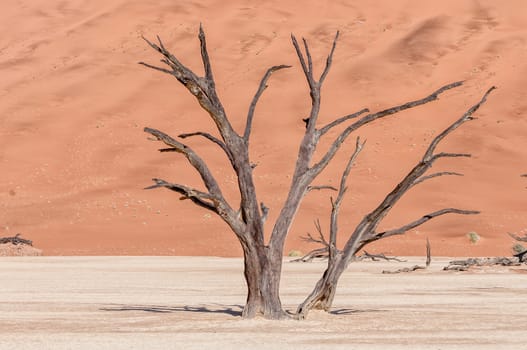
[[232, 310], [346, 311]]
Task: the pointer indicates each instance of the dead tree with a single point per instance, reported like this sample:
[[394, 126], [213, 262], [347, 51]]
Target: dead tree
[[262, 259], [366, 231]]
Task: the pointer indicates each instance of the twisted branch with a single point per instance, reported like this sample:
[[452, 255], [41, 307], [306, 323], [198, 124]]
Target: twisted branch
[[259, 92], [202, 199]]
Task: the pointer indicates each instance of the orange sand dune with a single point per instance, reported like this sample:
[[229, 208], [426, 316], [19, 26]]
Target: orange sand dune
[[73, 102]]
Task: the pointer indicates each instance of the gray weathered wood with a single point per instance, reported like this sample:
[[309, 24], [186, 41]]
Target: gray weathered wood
[[366, 231], [246, 218]]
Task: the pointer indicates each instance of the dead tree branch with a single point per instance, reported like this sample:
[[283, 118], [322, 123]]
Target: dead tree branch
[[329, 59], [377, 257], [405, 269], [318, 253], [464, 265], [305, 170], [335, 207], [209, 137], [259, 92], [367, 227], [321, 240], [302, 176], [198, 163], [403, 229], [431, 176], [330, 248], [366, 231], [214, 199], [372, 117], [428, 253], [321, 253], [16, 240], [318, 188], [415, 267], [341, 120], [202, 199]]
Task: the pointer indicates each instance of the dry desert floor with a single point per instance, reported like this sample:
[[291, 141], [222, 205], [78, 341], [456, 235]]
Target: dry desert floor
[[195, 303]]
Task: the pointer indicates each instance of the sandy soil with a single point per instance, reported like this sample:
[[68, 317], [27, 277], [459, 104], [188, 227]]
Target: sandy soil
[[73, 102], [9, 249], [195, 303]]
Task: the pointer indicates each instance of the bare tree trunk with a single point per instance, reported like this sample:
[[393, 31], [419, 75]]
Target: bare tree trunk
[[262, 274], [321, 298]]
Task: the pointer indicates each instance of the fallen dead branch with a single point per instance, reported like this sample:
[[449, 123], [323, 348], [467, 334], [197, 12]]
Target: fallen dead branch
[[377, 257], [16, 240], [464, 265], [320, 253], [405, 269], [323, 253], [415, 267]]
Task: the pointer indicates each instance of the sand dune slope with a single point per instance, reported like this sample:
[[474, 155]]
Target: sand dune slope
[[73, 102]]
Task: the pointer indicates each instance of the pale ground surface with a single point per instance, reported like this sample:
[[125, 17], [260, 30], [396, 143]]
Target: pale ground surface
[[194, 303], [73, 102], [9, 249]]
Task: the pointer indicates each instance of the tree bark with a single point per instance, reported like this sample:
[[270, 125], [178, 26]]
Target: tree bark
[[321, 298], [262, 273]]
